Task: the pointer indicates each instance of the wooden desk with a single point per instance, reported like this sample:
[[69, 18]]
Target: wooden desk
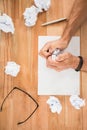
[[22, 48]]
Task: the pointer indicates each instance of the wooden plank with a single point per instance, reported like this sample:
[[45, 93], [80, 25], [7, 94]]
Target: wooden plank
[[84, 75], [73, 118]]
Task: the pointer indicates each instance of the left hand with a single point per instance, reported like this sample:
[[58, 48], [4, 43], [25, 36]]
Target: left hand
[[63, 61]]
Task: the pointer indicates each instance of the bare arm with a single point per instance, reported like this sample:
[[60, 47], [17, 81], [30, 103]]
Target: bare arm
[[66, 61], [84, 67], [77, 17]]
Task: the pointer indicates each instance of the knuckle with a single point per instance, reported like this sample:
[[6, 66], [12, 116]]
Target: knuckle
[[67, 54]]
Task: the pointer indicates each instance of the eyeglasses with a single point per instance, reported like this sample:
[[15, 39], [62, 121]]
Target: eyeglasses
[[16, 88]]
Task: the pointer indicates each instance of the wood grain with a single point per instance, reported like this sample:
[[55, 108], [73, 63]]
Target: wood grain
[[22, 47]]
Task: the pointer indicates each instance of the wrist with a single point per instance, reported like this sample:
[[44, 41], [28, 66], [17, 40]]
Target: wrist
[[75, 63], [80, 64], [63, 42]]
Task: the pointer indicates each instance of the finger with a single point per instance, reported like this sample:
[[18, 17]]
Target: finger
[[62, 56], [44, 54], [49, 61], [51, 66], [45, 51], [54, 67]]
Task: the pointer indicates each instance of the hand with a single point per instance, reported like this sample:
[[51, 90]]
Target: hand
[[49, 47], [62, 62]]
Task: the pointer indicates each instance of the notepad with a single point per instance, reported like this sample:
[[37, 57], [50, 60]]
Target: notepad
[[51, 82]]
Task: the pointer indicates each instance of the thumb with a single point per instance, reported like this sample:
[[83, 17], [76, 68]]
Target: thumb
[[61, 57], [51, 50]]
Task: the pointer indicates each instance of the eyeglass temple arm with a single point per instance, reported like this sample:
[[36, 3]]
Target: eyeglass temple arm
[[5, 99], [37, 105]]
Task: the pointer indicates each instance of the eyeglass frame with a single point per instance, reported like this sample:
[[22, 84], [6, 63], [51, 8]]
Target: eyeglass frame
[[37, 105]]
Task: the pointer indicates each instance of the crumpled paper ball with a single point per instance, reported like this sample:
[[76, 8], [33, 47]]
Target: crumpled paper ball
[[43, 4], [55, 54], [6, 24], [54, 104], [77, 102], [30, 15], [12, 68]]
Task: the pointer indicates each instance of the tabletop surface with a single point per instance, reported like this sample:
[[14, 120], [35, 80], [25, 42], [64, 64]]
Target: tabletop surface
[[22, 47]]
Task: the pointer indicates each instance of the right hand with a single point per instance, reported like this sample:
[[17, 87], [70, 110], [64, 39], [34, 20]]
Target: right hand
[[63, 61], [50, 46]]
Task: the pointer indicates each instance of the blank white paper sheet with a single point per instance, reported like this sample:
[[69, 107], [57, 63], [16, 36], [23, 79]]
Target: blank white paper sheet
[[51, 82]]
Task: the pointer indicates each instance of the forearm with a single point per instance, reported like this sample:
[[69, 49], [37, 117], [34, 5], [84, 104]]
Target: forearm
[[84, 67], [77, 17]]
